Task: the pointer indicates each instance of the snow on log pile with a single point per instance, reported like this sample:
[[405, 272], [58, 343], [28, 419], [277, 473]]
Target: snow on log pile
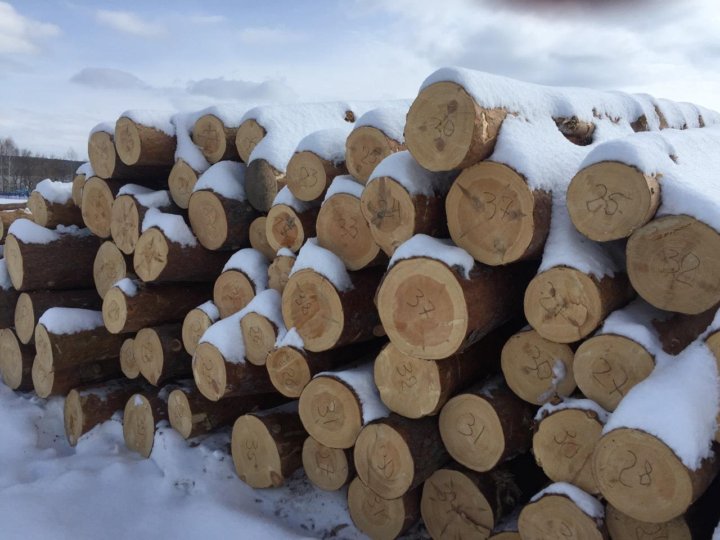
[[421, 303]]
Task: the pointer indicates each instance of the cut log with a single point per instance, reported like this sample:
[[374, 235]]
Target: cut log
[[128, 362], [610, 200], [110, 266], [431, 310], [330, 469], [394, 455], [366, 146], [309, 175], [486, 425], [260, 327], [162, 258], [248, 135], [216, 141], [335, 406], [496, 216], [44, 265], [8, 217], [159, 353], [679, 330], [382, 519], [16, 361], [263, 183], [106, 162], [258, 237], [128, 212], [342, 228], [77, 189], [290, 225], [31, 305], [181, 182], [196, 322], [86, 407], [47, 381], [537, 369], [267, 446], [8, 297], [51, 214], [564, 304], [143, 412], [279, 270], [674, 264], [139, 144], [148, 306], [220, 222], [191, 414], [564, 441], [327, 317], [242, 278], [97, 202]]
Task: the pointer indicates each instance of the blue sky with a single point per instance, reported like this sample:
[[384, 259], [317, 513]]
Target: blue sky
[[66, 65]]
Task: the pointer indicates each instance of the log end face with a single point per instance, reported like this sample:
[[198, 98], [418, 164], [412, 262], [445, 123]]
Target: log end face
[[139, 425], [38, 209], [284, 229], [556, 516], [102, 155], [255, 453], [180, 413], [194, 326], [279, 272], [14, 260], [148, 354], [24, 318], [623, 527], [262, 183], [128, 363], [389, 213], [77, 188], [125, 223], [232, 291], [288, 371], [11, 361], [378, 518], [73, 417], [208, 219], [114, 310], [258, 237], [43, 377], [306, 176], [181, 182], [365, 148], [108, 268], [326, 467], [127, 141], [248, 135], [259, 336], [209, 134], [330, 412], [209, 371], [151, 255], [96, 206], [383, 461]]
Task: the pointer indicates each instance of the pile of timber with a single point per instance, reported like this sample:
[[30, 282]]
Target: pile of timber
[[493, 309]]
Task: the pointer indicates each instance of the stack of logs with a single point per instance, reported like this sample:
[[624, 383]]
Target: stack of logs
[[314, 305]]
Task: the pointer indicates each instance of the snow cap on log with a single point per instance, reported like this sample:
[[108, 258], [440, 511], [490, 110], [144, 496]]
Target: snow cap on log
[[291, 339], [328, 144], [586, 502], [210, 309], [344, 184], [54, 191], [362, 382], [402, 167], [160, 120], [572, 403], [86, 169], [390, 119], [173, 227], [634, 322], [253, 264], [286, 197], [226, 178], [147, 197], [29, 232], [324, 262], [186, 149], [61, 320], [442, 250]]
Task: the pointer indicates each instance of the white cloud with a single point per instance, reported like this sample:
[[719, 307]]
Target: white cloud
[[126, 21], [221, 88], [266, 35], [107, 78], [20, 34], [207, 19]]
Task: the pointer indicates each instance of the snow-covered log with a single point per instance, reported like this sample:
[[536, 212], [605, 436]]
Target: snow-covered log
[[106, 162], [280, 268], [328, 468], [51, 204], [8, 217], [261, 326], [49, 381], [141, 416], [196, 322], [181, 181], [382, 518], [145, 138], [160, 355], [258, 237], [215, 132], [128, 212], [98, 197], [290, 221], [243, 277], [16, 361], [110, 266]]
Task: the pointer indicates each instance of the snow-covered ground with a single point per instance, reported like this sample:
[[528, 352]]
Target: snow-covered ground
[[11, 200], [102, 490]]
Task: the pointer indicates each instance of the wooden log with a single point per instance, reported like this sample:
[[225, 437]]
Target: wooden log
[[431, 310], [191, 414], [248, 135], [366, 146], [8, 217], [678, 331], [260, 326], [106, 162], [97, 202], [537, 369], [335, 406], [181, 182], [258, 237], [215, 140], [309, 174], [32, 304], [162, 257], [160, 355], [48, 381], [8, 297], [196, 322], [330, 469], [89, 406], [128, 362], [16, 361], [290, 222], [394, 455], [341, 226], [564, 440], [77, 187], [267, 446], [379, 518], [486, 425], [50, 214], [609, 200], [110, 266], [327, 317], [125, 312], [242, 278], [674, 264], [128, 212], [496, 216], [143, 412], [263, 183], [279, 270], [139, 144], [44, 265], [564, 304]]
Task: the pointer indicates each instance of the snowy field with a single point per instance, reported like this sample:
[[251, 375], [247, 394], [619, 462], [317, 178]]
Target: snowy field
[[11, 200], [102, 490]]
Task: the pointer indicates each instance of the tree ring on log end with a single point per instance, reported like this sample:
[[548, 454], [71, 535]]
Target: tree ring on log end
[[24, 318], [365, 148], [622, 527], [181, 182], [38, 208], [607, 366], [139, 425], [96, 207], [109, 267], [536, 369], [556, 516], [148, 354], [284, 228], [609, 200], [77, 187], [408, 386], [331, 412], [209, 134], [114, 310], [472, 432], [312, 305], [255, 453], [248, 135], [208, 366], [453, 507], [127, 141], [381, 519], [73, 417], [43, 377], [14, 260], [150, 257], [259, 336], [125, 223], [180, 413], [232, 292], [208, 219], [490, 210], [261, 184], [102, 155], [43, 345], [384, 461], [11, 362], [258, 237], [423, 309], [288, 371], [194, 326], [563, 304], [326, 467], [306, 176], [390, 213], [563, 446], [128, 364], [674, 263], [639, 473]]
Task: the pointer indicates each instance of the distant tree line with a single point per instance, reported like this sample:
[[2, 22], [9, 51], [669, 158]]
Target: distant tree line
[[21, 169]]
